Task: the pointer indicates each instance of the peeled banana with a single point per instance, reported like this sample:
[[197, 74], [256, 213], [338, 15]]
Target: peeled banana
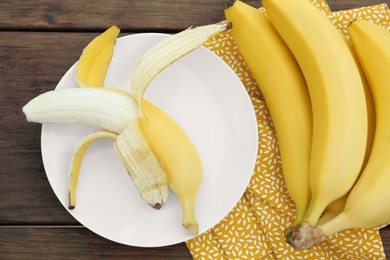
[[103, 108], [155, 152], [338, 103], [283, 86], [110, 110]]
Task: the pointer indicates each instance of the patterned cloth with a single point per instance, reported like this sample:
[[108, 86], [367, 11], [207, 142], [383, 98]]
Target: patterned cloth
[[254, 228]]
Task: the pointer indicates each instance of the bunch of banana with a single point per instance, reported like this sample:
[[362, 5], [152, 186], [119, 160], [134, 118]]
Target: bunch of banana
[[284, 89], [368, 202], [345, 174], [337, 206], [156, 152]]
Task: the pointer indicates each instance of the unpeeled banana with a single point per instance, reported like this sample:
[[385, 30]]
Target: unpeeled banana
[[368, 203], [337, 206], [338, 104], [283, 86], [154, 151]]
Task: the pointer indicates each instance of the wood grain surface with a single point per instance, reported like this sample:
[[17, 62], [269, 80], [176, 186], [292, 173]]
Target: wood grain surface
[[39, 41]]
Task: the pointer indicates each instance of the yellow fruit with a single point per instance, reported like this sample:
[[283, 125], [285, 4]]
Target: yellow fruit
[[283, 86], [368, 203], [179, 157], [337, 206], [332, 210], [338, 104]]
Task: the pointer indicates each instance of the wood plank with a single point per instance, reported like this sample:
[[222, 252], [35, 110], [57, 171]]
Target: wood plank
[[385, 235], [146, 15], [76, 243], [143, 15], [80, 243]]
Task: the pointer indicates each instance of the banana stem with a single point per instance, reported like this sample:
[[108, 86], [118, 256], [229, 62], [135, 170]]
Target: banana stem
[[314, 211], [304, 236], [299, 215], [189, 220], [338, 223]]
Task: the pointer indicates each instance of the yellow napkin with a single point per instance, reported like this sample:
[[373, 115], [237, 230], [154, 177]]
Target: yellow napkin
[[254, 228]]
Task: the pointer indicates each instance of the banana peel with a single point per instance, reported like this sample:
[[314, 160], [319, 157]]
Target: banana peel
[[167, 52], [77, 159], [95, 59]]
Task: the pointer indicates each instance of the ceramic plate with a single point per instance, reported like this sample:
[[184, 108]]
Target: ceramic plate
[[206, 98]]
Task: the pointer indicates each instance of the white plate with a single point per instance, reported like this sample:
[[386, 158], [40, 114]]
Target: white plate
[[206, 98]]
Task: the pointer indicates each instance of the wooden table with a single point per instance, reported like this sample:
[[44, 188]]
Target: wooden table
[[39, 41]]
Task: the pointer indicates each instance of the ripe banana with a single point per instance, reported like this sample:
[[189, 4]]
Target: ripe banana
[[337, 206], [95, 59], [333, 209], [166, 139], [338, 103], [284, 88], [112, 111], [168, 51], [368, 203], [179, 157], [142, 165]]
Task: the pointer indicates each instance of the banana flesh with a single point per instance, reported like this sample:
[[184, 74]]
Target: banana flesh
[[142, 165], [285, 91], [103, 108], [168, 51], [338, 102]]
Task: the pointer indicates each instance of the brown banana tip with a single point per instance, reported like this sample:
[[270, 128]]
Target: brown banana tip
[[351, 22], [192, 227], [157, 206], [71, 207], [287, 234], [354, 20], [230, 4], [304, 236], [229, 26]]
